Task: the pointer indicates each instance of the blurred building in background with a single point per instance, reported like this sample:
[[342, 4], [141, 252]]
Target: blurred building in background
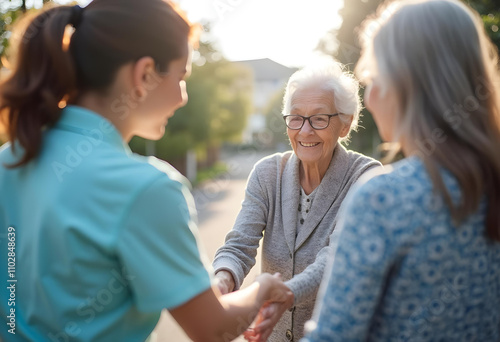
[[270, 78]]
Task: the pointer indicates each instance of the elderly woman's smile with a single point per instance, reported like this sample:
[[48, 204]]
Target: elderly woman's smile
[[306, 144], [314, 147]]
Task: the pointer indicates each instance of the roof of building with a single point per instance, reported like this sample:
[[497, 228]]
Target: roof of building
[[266, 69]]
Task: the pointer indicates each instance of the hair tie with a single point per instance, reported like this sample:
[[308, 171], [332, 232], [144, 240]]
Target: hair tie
[[76, 16]]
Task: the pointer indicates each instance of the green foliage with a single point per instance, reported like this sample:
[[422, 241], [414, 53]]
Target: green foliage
[[492, 26], [484, 6], [7, 18], [210, 173], [353, 13], [490, 13], [10, 12]]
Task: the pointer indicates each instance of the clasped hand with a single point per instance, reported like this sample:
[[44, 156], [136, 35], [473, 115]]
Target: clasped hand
[[269, 314]]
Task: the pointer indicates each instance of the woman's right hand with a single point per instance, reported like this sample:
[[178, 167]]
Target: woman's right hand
[[225, 281]]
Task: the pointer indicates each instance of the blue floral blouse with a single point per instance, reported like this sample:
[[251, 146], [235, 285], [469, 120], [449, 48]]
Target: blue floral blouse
[[402, 271]]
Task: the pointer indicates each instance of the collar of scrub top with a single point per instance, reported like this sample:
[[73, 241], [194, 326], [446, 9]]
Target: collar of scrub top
[[86, 122]]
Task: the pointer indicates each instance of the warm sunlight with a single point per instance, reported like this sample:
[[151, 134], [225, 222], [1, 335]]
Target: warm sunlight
[[283, 30]]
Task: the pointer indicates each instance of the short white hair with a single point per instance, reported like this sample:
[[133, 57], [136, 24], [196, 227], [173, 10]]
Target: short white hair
[[332, 78]]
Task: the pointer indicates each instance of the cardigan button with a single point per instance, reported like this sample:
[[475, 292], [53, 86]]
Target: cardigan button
[[291, 309], [289, 335]]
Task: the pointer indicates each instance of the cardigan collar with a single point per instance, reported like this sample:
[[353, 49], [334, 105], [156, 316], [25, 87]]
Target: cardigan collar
[[331, 185]]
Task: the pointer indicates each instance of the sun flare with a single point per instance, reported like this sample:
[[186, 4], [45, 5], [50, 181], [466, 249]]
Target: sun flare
[[285, 31]]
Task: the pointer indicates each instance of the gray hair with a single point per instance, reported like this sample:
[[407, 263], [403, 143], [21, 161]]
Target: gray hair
[[436, 58], [331, 78]]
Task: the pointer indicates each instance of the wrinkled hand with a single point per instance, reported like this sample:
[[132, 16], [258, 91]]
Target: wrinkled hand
[[268, 316], [225, 281]]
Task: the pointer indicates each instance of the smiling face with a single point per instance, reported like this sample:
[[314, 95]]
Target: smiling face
[[315, 147]]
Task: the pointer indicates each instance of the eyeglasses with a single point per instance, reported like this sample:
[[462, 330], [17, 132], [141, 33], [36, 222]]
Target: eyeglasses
[[318, 121]]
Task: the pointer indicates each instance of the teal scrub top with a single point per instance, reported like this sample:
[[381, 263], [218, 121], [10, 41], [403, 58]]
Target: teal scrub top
[[101, 239]]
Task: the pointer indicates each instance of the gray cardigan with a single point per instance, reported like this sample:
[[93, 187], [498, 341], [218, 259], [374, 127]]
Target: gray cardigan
[[270, 210]]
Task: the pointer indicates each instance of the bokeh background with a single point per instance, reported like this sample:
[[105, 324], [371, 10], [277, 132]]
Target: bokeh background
[[248, 50]]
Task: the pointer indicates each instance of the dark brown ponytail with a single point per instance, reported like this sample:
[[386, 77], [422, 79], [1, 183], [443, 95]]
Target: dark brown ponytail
[[109, 34], [43, 75]]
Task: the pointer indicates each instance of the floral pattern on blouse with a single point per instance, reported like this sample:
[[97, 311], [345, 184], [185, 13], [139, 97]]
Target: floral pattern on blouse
[[402, 271]]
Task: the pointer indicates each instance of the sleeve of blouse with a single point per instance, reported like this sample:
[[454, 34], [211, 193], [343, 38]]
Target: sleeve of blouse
[[354, 280], [158, 247], [238, 253]]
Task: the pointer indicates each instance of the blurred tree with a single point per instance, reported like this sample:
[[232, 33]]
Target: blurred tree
[[8, 15], [343, 44], [10, 11], [490, 13]]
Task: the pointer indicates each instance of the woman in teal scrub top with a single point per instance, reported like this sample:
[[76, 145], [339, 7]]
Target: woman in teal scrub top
[[96, 241]]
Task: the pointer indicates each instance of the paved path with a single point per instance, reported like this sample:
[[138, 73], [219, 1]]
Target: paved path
[[218, 203]]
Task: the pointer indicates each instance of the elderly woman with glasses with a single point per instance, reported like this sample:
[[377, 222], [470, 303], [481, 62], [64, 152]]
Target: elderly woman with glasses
[[293, 198]]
